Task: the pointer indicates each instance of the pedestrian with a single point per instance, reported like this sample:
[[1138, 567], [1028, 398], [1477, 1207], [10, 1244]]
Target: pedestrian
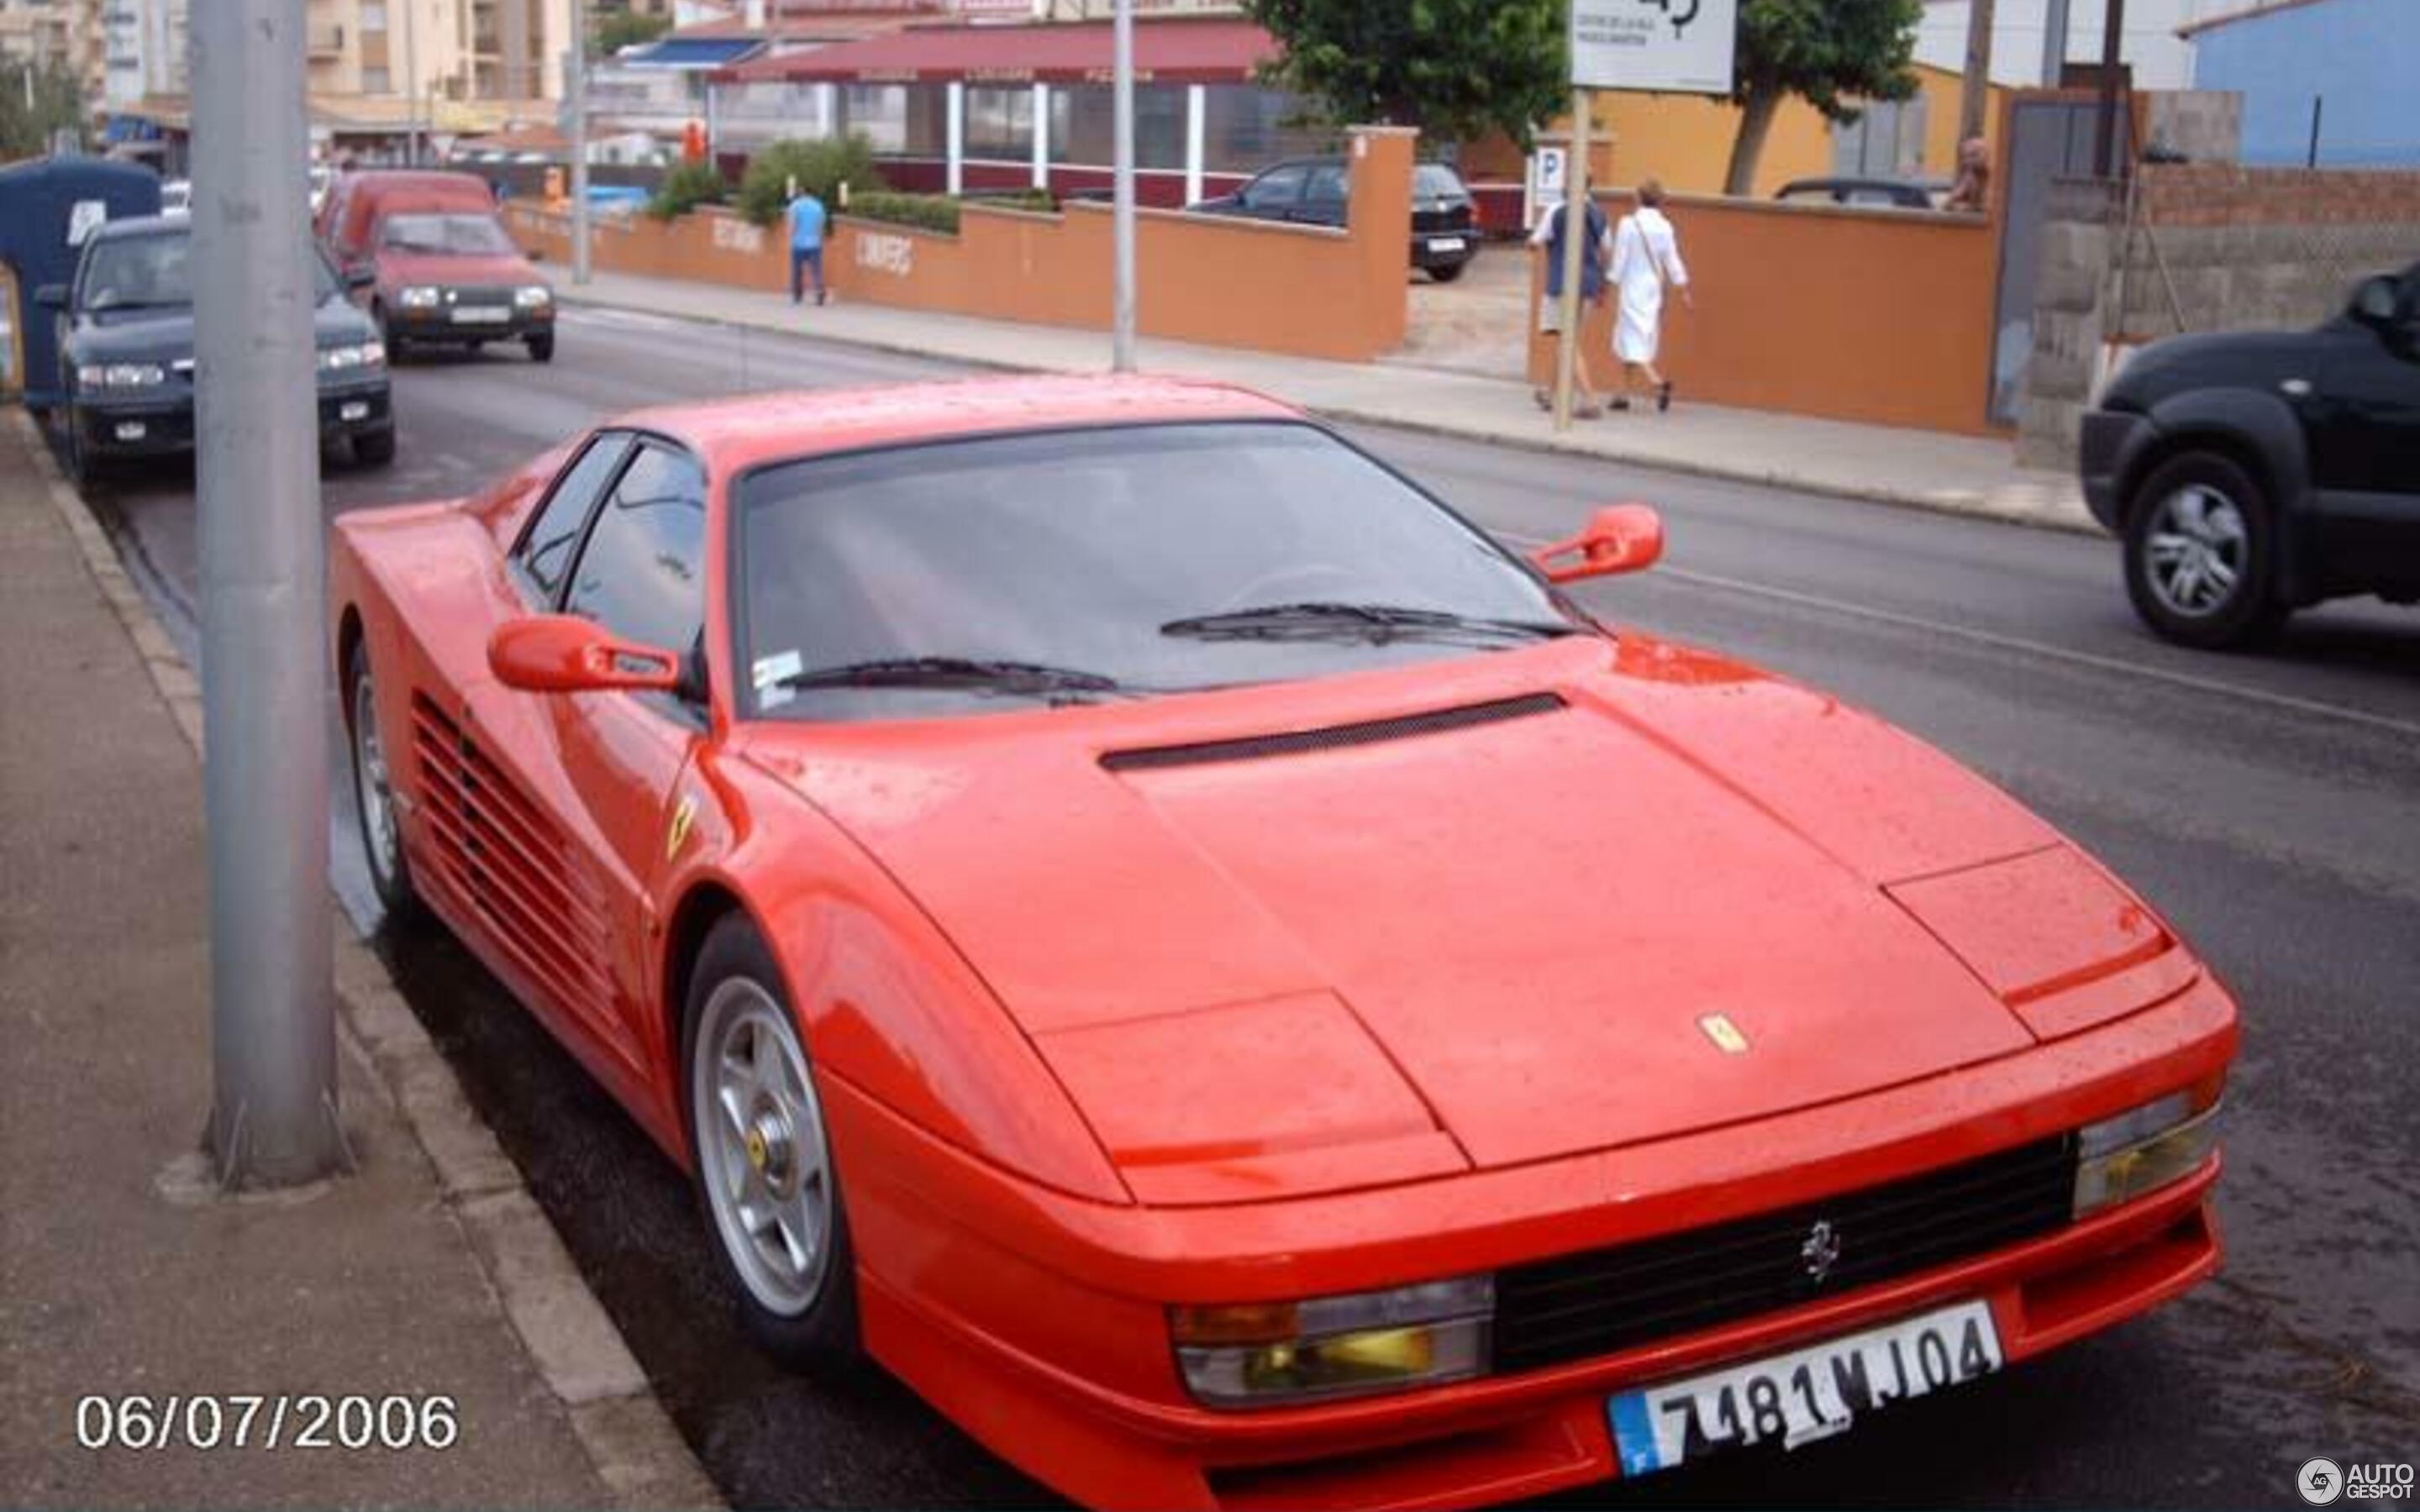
[[1646, 257], [1972, 191], [1548, 241], [806, 243]]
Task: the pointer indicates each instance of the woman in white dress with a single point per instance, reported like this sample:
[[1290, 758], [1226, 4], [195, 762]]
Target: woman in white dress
[[1646, 257]]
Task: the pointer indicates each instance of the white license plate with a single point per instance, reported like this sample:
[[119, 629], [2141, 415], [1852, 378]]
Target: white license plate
[[481, 315], [1447, 244], [1805, 1394]]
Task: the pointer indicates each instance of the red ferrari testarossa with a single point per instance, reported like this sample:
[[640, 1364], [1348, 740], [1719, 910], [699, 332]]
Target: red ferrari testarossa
[[1236, 988]]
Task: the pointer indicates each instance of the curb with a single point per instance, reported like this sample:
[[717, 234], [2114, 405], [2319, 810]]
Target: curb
[[1973, 507], [564, 1329]]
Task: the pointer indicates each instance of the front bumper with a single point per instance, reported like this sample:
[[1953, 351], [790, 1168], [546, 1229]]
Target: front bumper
[[130, 428], [1432, 250], [1039, 1323], [2112, 440], [464, 325]]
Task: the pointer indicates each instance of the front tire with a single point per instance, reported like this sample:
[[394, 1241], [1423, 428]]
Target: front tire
[[2201, 554], [541, 347], [374, 792], [374, 447], [767, 1182], [1448, 272]]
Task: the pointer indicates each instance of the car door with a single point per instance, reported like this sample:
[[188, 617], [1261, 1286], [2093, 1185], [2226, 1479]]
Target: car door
[[641, 573], [2365, 445], [1274, 195]]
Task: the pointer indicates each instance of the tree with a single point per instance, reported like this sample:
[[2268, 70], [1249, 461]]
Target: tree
[[618, 29], [1452, 67], [29, 116], [1833, 54]]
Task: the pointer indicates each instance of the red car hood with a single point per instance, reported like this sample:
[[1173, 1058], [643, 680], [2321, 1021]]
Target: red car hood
[[398, 269], [1408, 949]]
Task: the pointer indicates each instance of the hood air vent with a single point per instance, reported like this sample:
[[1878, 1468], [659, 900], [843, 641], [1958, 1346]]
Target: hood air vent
[[1335, 737]]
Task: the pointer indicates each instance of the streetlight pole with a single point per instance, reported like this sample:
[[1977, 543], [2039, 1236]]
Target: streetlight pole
[[1975, 91], [1122, 330], [264, 611], [575, 85]]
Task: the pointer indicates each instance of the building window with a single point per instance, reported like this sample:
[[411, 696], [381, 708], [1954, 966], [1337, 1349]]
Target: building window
[[1085, 132], [999, 122], [1245, 127], [373, 15]]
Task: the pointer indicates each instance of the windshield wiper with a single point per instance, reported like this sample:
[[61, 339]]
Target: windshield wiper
[[1379, 622], [1023, 678]]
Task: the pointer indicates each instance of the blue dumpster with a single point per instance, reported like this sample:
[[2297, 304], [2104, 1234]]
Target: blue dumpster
[[46, 208]]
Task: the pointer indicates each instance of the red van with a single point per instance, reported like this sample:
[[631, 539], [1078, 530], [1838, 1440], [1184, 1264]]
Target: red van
[[443, 271]]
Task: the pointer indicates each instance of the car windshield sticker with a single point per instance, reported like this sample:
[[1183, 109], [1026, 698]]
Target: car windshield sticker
[[775, 696], [773, 670]]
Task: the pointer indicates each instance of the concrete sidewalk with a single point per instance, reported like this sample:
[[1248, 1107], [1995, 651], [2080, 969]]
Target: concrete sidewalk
[[1925, 469], [428, 1272]]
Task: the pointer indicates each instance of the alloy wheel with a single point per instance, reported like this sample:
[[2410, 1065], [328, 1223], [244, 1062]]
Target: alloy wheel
[[760, 1146]]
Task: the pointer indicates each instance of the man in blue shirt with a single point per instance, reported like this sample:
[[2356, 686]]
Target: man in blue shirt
[[806, 245]]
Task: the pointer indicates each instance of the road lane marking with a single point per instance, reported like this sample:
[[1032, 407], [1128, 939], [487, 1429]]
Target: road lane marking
[[2023, 646]]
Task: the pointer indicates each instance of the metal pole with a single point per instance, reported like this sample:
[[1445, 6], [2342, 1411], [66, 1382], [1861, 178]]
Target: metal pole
[[264, 612], [2104, 151], [411, 79], [2318, 106], [2055, 29], [576, 86], [1574, 210], [1975, 91], [1123, 327]]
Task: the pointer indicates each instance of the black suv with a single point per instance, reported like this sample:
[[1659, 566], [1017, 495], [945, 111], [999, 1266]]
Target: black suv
[[1315, 192], [2252, 474]]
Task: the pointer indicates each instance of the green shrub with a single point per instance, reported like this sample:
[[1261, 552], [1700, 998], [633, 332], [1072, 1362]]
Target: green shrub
[[925, 212], [686, 188], [818, 167]]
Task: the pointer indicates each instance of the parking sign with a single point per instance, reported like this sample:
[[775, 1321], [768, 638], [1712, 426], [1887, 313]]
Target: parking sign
[[1663, 46]]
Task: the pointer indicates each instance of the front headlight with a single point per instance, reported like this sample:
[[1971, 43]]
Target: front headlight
[[351, 356], [2144, 1148], [535, 297], [121, 376], [1256, 1354], [420, 297]]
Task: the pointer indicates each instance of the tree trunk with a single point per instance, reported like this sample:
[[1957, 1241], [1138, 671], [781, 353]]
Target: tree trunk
[[1756, 122]]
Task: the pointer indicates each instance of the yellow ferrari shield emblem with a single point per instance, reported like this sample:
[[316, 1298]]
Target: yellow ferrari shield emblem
[[1725, 1034], [684, 815]]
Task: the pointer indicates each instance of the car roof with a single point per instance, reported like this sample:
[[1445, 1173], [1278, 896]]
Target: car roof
[[379, 183], [733, 435], [137, 226]]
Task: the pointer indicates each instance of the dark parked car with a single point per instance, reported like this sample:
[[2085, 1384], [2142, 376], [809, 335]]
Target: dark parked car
[[1314, 192], [2254, 473], [126, 351], [1898, 193]]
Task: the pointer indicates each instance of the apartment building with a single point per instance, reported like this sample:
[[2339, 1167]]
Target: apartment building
[[467, 50], [67, 32]]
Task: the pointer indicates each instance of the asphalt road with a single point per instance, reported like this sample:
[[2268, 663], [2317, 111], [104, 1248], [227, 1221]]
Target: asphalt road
[[2269, 805]]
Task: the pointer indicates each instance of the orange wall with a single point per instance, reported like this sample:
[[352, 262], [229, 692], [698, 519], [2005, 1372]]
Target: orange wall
[[1302, 290], [1882, 316]]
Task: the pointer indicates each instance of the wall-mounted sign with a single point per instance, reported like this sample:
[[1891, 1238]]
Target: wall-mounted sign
[[1686, 47]]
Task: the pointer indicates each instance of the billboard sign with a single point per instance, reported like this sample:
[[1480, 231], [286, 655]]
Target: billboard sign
[[1682, 47]]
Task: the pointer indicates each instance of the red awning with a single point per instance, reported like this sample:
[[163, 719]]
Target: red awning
[[1165, 52]]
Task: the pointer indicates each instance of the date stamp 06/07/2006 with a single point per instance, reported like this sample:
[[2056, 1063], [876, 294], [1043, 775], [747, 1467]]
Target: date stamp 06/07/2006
[[212, 1421]]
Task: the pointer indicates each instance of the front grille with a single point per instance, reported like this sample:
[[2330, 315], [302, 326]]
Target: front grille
[[1576, 1306], [486, 297]]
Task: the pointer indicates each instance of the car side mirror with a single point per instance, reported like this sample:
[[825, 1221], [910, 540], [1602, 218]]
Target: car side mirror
[[1619, 538], [566, 654], [361, 276], [52, 296]]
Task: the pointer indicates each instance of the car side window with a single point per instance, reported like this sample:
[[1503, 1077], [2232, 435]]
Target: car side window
[[1275, 190], [553, 537], [1325, 189], [642, 572]]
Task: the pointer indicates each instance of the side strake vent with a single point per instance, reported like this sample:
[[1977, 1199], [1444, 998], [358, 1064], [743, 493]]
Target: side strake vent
[[1335, 737], [504, 860]]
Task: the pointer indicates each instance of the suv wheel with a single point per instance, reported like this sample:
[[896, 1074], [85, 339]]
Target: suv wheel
[[2201, 554]]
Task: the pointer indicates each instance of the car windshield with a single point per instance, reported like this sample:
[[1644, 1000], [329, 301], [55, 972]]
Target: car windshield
[[1435, 181], [151, 271], [1090, 566], [471, 233]]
